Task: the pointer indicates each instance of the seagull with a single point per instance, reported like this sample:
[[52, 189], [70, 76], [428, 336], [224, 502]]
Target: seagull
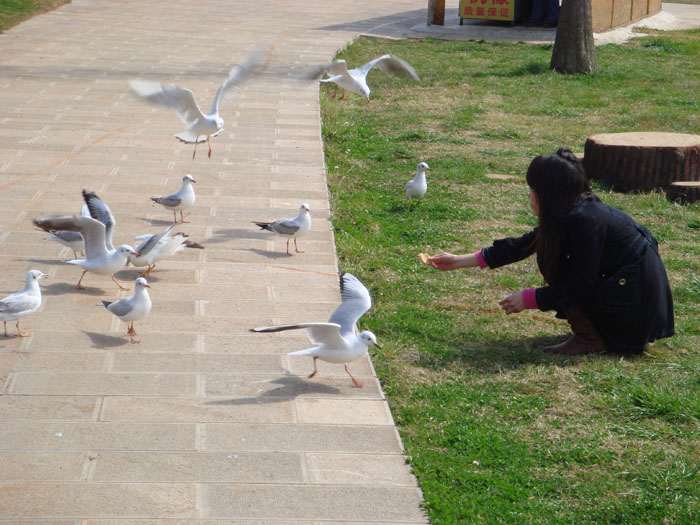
[[180, 200], [355, 80], [295, 227], [132, 308], [22, 303], [160, 246], [417, 187], [98, 258], [200, 126], [71, 240], [336, 340]]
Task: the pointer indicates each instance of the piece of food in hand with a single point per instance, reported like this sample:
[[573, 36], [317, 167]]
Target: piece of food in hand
[[424, 258]]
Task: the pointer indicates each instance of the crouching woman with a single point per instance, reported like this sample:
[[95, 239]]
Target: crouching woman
[[602, 270]]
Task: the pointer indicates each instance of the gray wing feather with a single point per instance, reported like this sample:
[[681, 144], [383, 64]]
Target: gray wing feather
[[17, 303], [356, 301], [100, 211], [318, 333], [93, 231], [286, 227], [153, 240], [67, 236], [167, 201], [253, 60], [120, 307]]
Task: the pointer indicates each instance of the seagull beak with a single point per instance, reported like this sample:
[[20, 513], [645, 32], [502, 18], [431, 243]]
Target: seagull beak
[[375, 344], [146, 286], [137, 254]]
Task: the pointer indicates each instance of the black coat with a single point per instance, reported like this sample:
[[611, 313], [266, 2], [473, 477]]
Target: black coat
[[610, 267]]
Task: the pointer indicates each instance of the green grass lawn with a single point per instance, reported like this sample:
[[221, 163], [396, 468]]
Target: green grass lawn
[[13, 12], [497, 431]]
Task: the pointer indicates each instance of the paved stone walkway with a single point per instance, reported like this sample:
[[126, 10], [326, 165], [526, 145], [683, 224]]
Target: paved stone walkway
[[202, 421]]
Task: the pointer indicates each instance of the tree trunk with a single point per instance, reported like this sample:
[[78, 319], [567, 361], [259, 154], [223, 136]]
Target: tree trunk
[[684, 192], [642, 161], [574, 50]]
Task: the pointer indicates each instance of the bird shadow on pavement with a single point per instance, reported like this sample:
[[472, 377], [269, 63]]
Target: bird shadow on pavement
[[269, 254], [105, 341], [69, 288], [289, 388], [237, 233]]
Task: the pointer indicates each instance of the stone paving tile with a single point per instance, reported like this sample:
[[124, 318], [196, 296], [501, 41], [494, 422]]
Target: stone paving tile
[[95, 429]]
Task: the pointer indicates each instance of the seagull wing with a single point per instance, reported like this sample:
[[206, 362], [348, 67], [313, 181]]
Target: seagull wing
[[356, 301], [18, 303], [153, 241], [92, 231], [121, 307], [170, 96], [285, 227], [100, 211], [326, 334], [67, 236], [169, 200], [392, 64], [253, 60]]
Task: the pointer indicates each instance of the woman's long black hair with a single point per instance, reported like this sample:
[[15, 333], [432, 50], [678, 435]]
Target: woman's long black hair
[[559, 181]]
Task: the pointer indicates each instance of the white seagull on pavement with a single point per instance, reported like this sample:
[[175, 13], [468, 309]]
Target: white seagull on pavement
[[160, 246], [134, 308], [355, 80], [98, 258], [22, 303], [180, 200], [200, 126], [417, 187], [294, 227], [336, 341]]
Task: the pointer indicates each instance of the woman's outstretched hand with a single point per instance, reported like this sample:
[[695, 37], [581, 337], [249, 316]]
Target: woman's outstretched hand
[[444, 261], [513, 303]]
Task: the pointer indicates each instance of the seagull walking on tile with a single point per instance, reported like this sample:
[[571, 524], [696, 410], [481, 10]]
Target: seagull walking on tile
[[294, 227], [355, 80], [201, 127], [337, 340], [22, 303], [417, 187], [134, 308], [180, 200]]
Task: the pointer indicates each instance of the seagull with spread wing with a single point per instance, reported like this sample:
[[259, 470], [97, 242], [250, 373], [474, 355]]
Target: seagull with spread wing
[[337, 340], [355, 80], [201, 127], [159, 246]]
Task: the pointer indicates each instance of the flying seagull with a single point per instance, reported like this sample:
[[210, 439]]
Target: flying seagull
[[180, 200], [294, 227], [98, 258], [355, 80], [200, 126], [417, 187], [22, 303], [160, 246], [134, 308], [336, 341]]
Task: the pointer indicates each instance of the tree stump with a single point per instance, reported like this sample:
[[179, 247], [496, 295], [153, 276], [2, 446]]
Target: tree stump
[[685, 192], [642, 161]]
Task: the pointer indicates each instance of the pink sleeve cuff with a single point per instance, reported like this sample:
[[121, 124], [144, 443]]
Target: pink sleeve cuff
[[529, 299], [480, 258]]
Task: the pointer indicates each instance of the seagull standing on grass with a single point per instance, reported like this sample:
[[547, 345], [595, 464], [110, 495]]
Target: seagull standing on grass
[[132, 308], [180, 200], [160, 246], [295, 227], [417, 187], [336, 340], [22, 303], [98, 258], [355, 80], [200, 126]]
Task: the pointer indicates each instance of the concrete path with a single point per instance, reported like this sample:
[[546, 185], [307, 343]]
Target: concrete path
[[202, 421]]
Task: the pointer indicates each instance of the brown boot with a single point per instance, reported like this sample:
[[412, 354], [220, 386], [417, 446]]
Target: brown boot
[[586, 339]]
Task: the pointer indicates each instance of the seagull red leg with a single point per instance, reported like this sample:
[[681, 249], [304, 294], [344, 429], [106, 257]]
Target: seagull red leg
[[295, 246], [118, 283], [209, 144], [314, 372], [19, 332], [355, 382], [288, 247], [80, 286]]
